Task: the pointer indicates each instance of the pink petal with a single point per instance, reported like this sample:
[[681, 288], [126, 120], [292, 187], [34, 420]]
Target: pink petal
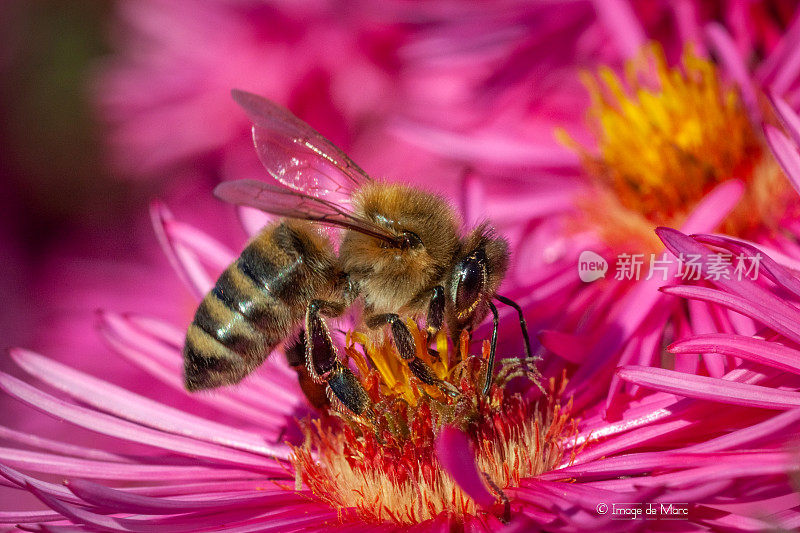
[[50, 528], [787, 72], [738, 465], [21, 517], [633, 439], [20, 480], [740, 304], [165, 364], [59, 447], [201, 487], [742, 438], [184, 261], [583, 495], [253, 220], [516, 209], [629, 351], [753, 349], [644, 297], [713, 389], [788, 116], [213, 252], [786, 154], [147, 524], [788, 43], [456, 456], [502, 151], [735, 66], [686, 18], [761, 300], [569, 347], [126, 502], [110, 425], [626, 465], [80, 515], [776, 271], [733, 522], [73, 467], [714, 207], [136, 408], [622, 24], [568, 515], [703, 322], [649, 352]]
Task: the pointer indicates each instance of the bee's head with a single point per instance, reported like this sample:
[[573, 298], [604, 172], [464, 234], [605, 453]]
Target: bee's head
[[475, 276]]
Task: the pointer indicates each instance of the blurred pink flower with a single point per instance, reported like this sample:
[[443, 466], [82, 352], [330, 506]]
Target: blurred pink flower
[[351, 70], [165, 90], [233, 469]]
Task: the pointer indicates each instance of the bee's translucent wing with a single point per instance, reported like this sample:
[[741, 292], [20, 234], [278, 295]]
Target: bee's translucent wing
[[293, 204], [297, 155]]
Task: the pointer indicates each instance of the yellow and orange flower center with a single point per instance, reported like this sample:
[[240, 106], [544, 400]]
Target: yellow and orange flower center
[[386, 469], [665, 137]]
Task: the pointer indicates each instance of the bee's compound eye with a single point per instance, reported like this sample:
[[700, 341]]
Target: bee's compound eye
[[471, 279]]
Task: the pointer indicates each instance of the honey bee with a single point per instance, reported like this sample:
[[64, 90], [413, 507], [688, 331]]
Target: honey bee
[[401, 256]]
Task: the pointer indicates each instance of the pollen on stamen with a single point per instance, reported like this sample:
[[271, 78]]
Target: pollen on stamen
[[387, 470], [665, 137]]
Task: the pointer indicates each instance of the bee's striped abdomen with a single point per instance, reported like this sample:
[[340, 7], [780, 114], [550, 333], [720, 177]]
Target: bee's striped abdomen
[[256, 303]]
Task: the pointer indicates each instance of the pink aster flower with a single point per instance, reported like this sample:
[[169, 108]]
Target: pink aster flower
[[674, 135], [246, 464]]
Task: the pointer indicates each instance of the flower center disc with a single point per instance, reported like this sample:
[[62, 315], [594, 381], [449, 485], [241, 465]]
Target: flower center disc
[[665, 138], [386, 469]]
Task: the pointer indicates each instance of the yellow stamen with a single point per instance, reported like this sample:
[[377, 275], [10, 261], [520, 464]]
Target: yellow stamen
[[666, 136]]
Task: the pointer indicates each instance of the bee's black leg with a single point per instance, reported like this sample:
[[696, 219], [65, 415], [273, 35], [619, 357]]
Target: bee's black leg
[[403, 340], [522, 323], [323, 363], [435, 316], [314, 391], [347, 389], [492, 347], [407, 348]]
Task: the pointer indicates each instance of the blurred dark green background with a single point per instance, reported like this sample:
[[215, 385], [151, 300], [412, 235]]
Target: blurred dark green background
[[54, 177], [55, 186]]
